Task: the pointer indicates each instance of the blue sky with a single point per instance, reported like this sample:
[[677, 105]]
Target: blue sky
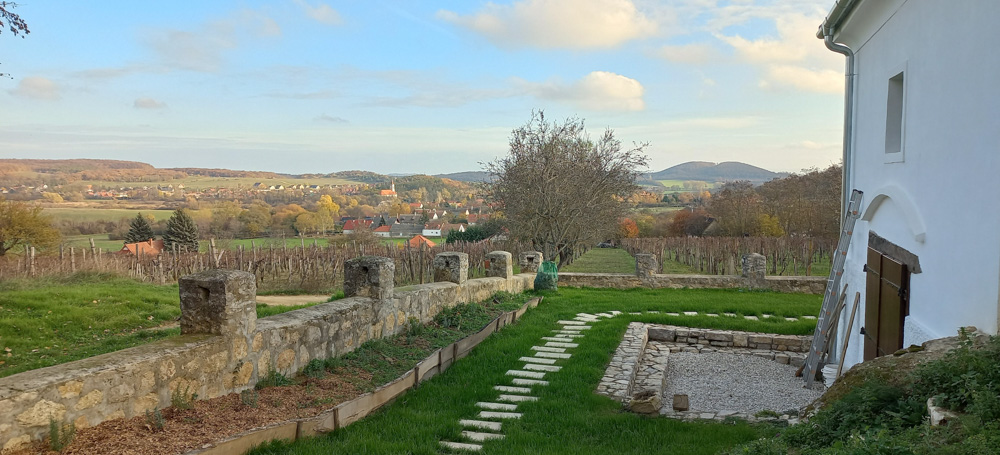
[[307, 86]]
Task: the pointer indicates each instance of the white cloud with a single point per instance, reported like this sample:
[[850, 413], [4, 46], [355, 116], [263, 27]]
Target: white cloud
[[695, 54], [821, 81], [598, 91], [574, 24], [36, 87], [330, 119], [321, 13], [203, 49], [148, 103]]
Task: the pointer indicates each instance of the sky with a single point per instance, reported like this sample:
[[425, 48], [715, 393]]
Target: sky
[[309, 86]]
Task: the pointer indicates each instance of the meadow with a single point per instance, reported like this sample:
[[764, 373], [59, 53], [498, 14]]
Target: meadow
[[198, 182]]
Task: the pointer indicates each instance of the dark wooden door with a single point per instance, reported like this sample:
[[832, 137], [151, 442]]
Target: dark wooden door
[[885, 304]]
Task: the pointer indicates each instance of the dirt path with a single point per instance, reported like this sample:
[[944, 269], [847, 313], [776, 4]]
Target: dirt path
[[290, 300]]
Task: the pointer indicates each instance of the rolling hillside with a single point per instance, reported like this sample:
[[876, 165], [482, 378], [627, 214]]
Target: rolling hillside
[[712, 172]]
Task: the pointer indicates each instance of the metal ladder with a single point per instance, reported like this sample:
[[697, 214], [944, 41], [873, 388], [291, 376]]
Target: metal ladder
[[824, 323]]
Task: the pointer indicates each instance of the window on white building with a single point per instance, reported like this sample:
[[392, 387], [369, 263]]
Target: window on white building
[[894, 117]]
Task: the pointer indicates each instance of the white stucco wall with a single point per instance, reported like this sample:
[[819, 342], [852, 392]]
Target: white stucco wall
[[942, 201]]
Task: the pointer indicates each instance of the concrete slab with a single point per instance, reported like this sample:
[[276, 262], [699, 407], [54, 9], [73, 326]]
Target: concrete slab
[[480, 437], [552, 355], [522, 381], [499, 415], [526, 374], [560, 344], [509, 389], [462, 446], [537, 360], [564, 322], [547, 349], [483, 424], [496, 406], [516, 398], [535, 367]]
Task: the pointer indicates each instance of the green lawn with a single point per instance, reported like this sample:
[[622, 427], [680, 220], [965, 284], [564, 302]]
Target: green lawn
[[101, 214], [45, 322], [603, 260], [569, 417]]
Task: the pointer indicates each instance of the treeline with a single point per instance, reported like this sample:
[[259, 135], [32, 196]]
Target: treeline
[[805, 204]]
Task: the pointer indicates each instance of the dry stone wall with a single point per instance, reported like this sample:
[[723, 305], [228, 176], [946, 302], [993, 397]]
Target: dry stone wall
[[224, 348]]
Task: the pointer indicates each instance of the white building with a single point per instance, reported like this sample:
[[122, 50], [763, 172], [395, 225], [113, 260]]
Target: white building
[[923, 143]]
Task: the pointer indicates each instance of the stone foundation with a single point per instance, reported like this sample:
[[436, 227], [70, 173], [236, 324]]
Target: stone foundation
[[224, 348], [530, 261], [790, 284]]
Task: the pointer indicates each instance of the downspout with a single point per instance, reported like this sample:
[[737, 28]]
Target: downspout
[[848, 118]]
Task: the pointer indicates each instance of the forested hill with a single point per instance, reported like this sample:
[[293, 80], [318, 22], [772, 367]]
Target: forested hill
[[721, 172], [468, 176]]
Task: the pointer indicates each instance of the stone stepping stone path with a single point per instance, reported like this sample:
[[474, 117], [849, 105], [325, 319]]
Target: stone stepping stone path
[[488, 424]]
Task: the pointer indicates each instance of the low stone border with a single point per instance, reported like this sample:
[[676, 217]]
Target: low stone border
[[351, 411], [628, 372]]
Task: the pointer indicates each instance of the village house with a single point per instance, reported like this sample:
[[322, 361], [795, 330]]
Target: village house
[[921, 132], [391, 192], [354, 224], [382, 231], [148, 248]]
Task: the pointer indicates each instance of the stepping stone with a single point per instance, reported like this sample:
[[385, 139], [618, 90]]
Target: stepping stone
[[553, 339], [525, 374], [499, 415], [752, 318], [766, 316], [509, 389], [462, 446], [558, 344], [673, 314], [586, 315], [547, 349], [480, 437], [567, 336], [571, 322], [605, 315], [616, 313], [808, 317], [711, 315], [568, 332], [576, 328], [635, 314], [516, 398], [732, 315], [791, 319], [497, 406], [522, 381], [537, 360], [690, 313], [552, 355], [486, 425], [534, 367], [653, 311], [584, 319]]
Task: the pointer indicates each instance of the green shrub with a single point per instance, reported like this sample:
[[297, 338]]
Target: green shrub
[[249, 398], [315, 368], [966, 380], [183, 399], [154, 420], [60, 434], [466, 314], [273, 379]]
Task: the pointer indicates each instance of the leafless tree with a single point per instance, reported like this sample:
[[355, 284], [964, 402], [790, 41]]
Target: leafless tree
[[11, 20], [560, 189]]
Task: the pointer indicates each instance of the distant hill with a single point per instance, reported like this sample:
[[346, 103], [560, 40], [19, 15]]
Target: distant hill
[[712, 172], [468, 176]]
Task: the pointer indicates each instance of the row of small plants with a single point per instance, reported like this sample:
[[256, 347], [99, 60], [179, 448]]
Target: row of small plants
[[887, 416]]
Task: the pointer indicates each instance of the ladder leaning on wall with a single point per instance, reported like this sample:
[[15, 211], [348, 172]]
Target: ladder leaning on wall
[[827, 316]]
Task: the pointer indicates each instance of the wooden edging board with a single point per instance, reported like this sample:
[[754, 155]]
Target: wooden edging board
[[351, 411]]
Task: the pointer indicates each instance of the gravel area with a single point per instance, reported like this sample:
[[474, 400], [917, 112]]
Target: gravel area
[[730, 382]]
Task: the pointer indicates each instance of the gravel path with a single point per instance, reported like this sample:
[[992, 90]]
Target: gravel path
[[730, 382]]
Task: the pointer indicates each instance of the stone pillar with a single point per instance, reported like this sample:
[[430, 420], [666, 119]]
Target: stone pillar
[[754, 268], [369, 276], [645, 265], [499, 263], [530, 261], [451, 266], [219, 302]]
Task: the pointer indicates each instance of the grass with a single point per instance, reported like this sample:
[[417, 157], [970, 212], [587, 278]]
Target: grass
[[680, 184], [80, 215], [197, 182], [569, 418], [44, 322], [603, 260]]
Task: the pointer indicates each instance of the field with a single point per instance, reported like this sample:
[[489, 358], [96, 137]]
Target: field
[[680, 183], [86, 215], [603, 260], [197, 182]]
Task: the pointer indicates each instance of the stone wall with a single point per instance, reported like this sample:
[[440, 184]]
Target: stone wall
[[793, 284], [224, 347]]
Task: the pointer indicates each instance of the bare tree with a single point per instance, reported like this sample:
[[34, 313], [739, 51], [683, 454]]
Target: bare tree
[[559, 189], [12, 21]]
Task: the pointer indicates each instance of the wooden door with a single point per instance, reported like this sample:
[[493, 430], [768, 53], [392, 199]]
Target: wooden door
[[886, 306]]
